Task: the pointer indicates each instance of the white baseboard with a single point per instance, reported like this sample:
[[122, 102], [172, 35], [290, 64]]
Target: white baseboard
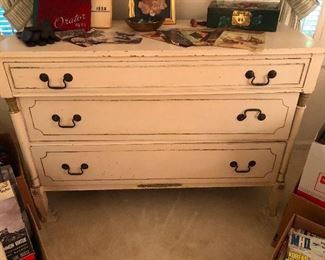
[[302, 144]]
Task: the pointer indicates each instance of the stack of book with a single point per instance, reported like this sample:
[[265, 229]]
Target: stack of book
[[14, 237], [305, 245]]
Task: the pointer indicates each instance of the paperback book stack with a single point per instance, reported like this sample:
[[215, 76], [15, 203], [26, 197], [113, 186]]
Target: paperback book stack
[[303, 245], [13, 233]]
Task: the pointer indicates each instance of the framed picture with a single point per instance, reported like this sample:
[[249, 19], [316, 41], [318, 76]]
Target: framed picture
[[151, 8]]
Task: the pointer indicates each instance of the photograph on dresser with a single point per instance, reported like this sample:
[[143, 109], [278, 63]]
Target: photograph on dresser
[[253, 41], [151, 9], [141, 138]]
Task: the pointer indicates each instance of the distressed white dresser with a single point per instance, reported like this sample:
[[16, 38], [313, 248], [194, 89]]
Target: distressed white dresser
[[155, 115]]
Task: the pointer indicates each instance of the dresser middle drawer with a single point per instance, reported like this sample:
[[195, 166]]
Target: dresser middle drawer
[[224, 117]]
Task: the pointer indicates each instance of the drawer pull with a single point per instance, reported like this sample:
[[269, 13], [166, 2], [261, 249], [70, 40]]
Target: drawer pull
[[260, 116], [251, 75], [83, 167], [66, 78], [234, 164], [57, 118]]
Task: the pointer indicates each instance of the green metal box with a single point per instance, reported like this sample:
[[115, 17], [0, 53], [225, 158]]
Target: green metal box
[[255, 16]]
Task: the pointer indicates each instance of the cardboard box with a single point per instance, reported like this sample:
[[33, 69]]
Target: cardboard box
[[298, 222], [25, 195], [32, 227], [312, 182], [300, 206], [7, 143], [36, 238], [2, 253]]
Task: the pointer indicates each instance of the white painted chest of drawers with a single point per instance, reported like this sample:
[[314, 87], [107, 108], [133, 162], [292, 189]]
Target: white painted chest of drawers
[[155, 115]]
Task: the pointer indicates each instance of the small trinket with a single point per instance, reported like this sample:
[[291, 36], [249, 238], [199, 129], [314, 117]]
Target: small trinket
[[195, 23]]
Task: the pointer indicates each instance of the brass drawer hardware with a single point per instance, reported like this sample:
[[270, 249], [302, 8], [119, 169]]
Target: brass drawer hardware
[[251, 75], [83, 167], [261, 116], [234, 164], [160, 185], [241, 18], [66, 78], [75, 118]]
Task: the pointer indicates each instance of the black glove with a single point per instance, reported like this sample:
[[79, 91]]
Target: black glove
[[38, 35]]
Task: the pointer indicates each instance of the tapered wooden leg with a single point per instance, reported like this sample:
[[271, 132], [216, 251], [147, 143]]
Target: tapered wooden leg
[[277, 191], [40, 199], [38, 193], [275, 198]]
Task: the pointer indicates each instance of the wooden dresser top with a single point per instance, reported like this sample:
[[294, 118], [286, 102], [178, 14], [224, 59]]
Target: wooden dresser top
[[284, 41]]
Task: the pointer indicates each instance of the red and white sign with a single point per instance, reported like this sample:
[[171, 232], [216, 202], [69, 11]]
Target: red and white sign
[[64, 15], [312, 182], [320, 184]]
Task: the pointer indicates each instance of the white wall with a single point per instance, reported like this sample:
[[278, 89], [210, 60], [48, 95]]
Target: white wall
[[315, 113]]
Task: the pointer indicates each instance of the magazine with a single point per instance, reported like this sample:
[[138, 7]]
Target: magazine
[[253, 41], [187, 37], [197, 37], [305, 246], [156, 35], [13, 235], [93, 37]]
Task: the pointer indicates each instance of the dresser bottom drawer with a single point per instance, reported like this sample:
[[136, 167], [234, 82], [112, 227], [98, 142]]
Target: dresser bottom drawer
[[115, 166]]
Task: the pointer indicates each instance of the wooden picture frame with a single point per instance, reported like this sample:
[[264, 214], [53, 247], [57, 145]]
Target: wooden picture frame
[[169, 13]]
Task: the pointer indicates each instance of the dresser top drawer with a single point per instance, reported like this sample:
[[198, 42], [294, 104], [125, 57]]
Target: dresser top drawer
[[137, 76]]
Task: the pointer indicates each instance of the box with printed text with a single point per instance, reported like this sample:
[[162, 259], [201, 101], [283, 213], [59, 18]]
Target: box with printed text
[[312, 182]]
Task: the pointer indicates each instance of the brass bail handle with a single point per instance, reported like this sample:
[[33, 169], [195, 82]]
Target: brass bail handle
[[235, 165], [83, 166], [67, 77], [251, 75], [260, 115], [75, 118]]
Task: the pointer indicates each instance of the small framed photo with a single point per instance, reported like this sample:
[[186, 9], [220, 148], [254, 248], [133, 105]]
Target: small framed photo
[[152, 8]]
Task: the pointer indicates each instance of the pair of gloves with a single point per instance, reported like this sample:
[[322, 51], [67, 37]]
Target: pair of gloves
[[38, 35]]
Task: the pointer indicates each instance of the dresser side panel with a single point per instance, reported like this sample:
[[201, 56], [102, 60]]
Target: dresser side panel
[[5, 90], [313, 73]]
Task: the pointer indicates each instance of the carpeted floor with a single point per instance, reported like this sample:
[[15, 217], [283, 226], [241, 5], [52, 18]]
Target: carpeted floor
[[220, 223]]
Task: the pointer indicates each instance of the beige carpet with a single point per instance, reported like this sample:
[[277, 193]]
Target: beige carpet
[[221, 223]]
